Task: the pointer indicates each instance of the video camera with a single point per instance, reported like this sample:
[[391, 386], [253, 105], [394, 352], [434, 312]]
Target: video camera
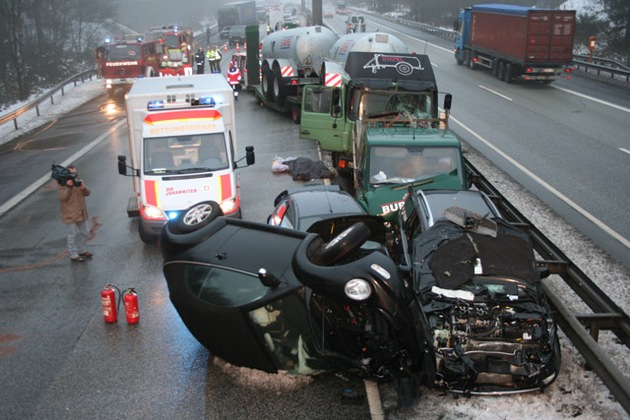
[[62, 174]]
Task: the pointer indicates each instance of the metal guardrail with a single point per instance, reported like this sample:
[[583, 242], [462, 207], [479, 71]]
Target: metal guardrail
[[200, 37], [87, 74], [582, 329]]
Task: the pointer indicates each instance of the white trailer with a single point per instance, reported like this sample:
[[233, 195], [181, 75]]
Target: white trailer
[[182, 142]]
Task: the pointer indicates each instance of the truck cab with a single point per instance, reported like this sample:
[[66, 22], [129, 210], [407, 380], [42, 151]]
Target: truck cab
[[332, 122]]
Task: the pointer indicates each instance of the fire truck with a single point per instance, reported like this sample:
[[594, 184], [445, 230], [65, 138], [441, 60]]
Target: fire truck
[[177, 50], [182, 144], [122, 61]]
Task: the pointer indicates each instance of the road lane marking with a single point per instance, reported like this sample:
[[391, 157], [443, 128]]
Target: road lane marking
[[374, 400], [46, 178], [599, 101], [495, 92], [548, 187], [624, 150]]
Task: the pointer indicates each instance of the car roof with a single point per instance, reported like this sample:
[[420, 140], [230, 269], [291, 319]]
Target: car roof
[[321, 201]]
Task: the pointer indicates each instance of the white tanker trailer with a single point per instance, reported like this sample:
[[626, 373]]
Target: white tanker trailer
[[293, 58]]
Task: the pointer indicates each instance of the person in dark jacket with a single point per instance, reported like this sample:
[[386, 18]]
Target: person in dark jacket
[[74, 215], [200, 60]]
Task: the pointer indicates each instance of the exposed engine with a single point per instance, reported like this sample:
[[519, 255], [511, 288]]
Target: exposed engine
[[486, 346]]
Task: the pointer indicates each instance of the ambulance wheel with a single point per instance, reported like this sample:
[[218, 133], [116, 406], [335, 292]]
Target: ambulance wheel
[[279, 94], [345, 243], [145, 236], [195, 217]]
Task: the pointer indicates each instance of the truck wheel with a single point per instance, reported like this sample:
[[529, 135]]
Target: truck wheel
[[507, 76], [195, 217], [266, 82], [471, 62], [495, 67], [279, 93], [345, 243], [466, 58], [501, 70]]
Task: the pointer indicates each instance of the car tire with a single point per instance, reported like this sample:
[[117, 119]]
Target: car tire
[[345, 243], [195, 217]]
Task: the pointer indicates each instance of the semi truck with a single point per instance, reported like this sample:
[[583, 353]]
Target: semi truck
[[182, 143], [121, 62], [383, 126], [516, 42], [290, 60], [237, 13]]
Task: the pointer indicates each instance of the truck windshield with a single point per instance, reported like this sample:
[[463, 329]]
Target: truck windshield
[[179, 154], [122, 52], [396, 164], [406, 104]]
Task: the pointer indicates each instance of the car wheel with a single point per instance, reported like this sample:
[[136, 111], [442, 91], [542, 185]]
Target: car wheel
[[195, 217], [266, 83], [345, 243]]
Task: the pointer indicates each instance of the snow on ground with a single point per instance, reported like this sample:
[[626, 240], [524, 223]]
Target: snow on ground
[[577, 393]]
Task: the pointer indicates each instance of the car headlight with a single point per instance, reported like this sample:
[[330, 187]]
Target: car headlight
[[357, 289]]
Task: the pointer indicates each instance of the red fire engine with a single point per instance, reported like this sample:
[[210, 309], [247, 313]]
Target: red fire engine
[[176, 46], [120, 62]]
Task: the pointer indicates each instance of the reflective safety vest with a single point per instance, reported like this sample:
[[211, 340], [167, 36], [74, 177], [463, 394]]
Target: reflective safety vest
[[234, 76], [210, 55]]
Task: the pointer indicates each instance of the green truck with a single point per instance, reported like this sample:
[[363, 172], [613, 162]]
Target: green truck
[[383, 127]]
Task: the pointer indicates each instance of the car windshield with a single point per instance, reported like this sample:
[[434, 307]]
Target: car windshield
[[185, 153]]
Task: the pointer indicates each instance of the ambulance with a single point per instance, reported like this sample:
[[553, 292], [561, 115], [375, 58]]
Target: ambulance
[[182, 142]]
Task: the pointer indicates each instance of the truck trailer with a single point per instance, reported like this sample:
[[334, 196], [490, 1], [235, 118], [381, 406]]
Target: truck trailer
[[237, 13], [516, 42], [182, 142]]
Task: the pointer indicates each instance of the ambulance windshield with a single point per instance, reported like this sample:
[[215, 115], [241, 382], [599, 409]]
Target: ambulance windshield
[[185, 154]]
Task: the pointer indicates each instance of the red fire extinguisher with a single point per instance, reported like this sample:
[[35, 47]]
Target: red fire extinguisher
[[108, 300], [130, 297]]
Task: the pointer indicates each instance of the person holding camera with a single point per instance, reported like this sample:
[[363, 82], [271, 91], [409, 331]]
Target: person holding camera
[[74, 214]]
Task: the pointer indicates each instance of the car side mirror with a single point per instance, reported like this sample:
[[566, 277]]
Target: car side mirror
[[268, 279]]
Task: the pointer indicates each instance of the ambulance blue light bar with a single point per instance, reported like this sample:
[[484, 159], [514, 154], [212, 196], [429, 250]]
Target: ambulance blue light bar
[[205, 100], [157, 104]]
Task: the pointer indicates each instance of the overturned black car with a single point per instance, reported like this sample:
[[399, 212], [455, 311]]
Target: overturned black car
[[453, 302]]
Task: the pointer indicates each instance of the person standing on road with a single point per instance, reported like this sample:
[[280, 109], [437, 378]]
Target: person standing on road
[[74, 215], [217, 58], [200, 60], [211, 59]]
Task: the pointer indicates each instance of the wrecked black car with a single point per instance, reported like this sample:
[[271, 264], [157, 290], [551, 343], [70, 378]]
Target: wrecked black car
[[351, 295]]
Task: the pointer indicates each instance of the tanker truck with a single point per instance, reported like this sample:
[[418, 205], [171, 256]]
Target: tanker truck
[[290, 60], [516, 42]]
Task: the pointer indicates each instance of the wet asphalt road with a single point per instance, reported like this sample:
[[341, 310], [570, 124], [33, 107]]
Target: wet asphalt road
[[58, 358]]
